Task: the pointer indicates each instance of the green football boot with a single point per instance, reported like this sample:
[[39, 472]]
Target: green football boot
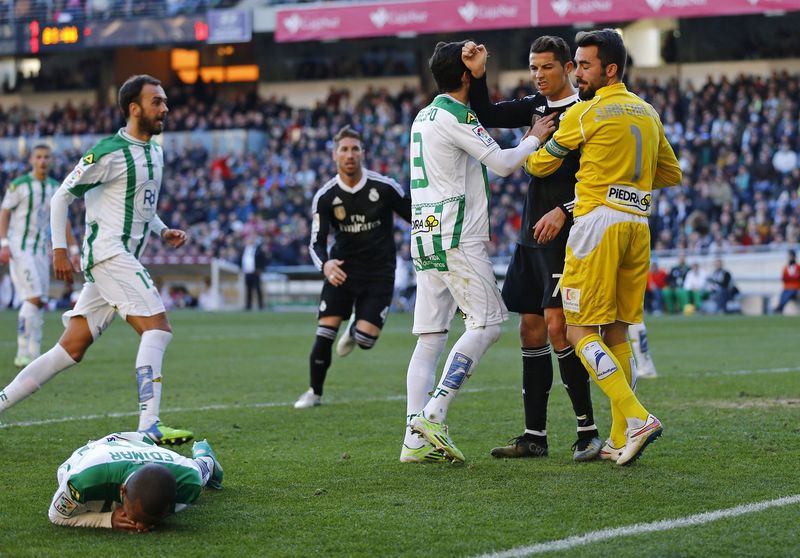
[[165, 436], [424, 454], [436, 434]]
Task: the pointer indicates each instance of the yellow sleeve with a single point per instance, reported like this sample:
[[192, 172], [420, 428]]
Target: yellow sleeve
[[668, 170], [569, 137]]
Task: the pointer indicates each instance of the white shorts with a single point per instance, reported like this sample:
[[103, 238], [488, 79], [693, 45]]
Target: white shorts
[[463, 279], [30, 274], [121, 285]]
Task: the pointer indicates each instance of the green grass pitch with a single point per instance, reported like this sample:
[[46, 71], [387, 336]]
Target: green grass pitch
[[327, 481]]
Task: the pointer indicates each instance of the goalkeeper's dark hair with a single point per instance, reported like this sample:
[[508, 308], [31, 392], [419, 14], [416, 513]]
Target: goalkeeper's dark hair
[[555, 45], [155, 486], [41, 146], [447, 67], [131, 91], [610, 48]]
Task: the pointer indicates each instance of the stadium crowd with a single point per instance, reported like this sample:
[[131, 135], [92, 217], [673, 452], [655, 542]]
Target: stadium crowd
[[737, 142], [76, 11]]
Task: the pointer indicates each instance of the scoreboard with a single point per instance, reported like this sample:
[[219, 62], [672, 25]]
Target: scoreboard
[[43, 37]]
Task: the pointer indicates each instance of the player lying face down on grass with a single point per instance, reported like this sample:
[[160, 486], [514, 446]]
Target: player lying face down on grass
[[124, 481]]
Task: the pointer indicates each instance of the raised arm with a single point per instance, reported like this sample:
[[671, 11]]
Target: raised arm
[[505, 161], [568, 137], [505, 114]]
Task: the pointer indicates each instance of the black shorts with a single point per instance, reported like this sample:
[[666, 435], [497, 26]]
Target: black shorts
[[372, 299], [533, 278]]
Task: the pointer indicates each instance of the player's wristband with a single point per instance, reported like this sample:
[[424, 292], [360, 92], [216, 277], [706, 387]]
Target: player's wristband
[[74, 250], [4, 243]]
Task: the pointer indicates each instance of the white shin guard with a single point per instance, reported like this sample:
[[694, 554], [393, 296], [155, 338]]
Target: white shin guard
[[461, 363], [149, 360]]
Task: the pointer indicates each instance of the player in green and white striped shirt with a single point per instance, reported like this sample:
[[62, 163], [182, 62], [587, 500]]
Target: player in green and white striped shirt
[[24, 236], [119, 179], [125, 481]]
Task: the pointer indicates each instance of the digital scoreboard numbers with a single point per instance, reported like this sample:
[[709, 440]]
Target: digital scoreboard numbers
[[42, 37]]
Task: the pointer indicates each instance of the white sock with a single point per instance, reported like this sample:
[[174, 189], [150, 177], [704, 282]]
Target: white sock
[[641, 349], [148, 375], [35, 375], [421, 378], [461, 362], [35, 336], [25, 322]]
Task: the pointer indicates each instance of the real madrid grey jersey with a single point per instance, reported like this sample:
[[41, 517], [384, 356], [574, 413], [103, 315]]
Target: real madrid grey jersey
[[119, 179]]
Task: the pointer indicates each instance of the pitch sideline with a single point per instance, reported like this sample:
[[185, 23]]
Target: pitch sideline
[[641, 528]]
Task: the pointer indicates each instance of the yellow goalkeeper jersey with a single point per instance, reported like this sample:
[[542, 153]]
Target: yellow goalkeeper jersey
[[624, 153]]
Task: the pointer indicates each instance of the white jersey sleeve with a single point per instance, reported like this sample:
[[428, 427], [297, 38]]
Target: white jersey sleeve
[[472, 138], [12, 198], [92, 171]]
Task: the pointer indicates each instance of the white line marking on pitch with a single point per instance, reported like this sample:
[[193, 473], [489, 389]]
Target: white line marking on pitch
[[640, 528], [757, 371], [224, 407]]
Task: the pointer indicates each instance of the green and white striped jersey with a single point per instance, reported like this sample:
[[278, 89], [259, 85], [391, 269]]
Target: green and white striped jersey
[[89, 481], [119, 179], [449, 185], [28, 199]]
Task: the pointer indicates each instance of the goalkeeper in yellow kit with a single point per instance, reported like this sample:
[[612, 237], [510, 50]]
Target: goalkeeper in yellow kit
[[624, 156]]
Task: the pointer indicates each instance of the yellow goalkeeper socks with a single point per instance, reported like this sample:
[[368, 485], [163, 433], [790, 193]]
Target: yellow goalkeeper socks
[[604, 367], [624, 355]]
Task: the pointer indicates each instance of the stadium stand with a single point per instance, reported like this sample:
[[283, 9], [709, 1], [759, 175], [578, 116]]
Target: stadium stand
[[737, 142]]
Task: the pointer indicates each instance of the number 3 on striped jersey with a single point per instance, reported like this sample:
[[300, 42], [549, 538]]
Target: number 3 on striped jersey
[[419, 178], [558, 284]]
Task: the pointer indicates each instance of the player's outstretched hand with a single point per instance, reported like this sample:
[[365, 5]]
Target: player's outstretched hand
[[548, 227], [5, 255], [334, 272], [474, 57], [174, 237], [62, 267], [543, 127]]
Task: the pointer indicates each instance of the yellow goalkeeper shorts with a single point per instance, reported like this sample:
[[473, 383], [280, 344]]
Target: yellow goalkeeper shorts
[[605, 269]]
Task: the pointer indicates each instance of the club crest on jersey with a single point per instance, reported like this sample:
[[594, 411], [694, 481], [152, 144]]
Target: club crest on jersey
[[630, 197], [374, 195], [88, 159], [471, 118], [339, 212]]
